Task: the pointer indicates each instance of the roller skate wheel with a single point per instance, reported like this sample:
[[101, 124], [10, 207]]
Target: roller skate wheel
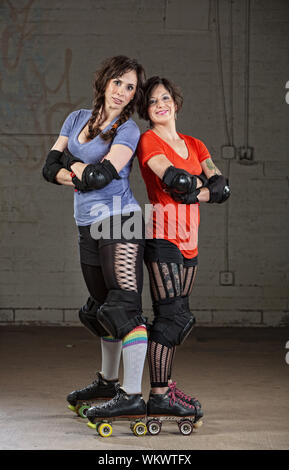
[[186, 428], [154, 427], [139, 429], [198, 424], [104, 430], [82, 410], [72, 408]]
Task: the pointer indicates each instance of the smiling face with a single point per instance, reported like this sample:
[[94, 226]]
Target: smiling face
[[120, 91], [161, 106]]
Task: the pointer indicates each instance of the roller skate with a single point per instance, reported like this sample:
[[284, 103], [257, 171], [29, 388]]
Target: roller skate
[[122, 407], [99, 390], [187, 398], [169, 407]]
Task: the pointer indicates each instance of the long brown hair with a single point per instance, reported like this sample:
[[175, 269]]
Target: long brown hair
[[113, 68]]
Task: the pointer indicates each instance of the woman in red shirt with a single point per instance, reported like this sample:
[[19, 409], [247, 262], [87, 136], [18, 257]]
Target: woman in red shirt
[[179, 174]]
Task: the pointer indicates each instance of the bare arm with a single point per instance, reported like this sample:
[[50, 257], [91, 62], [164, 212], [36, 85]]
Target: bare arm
[[63, 176], [210, 169], [159, 164]]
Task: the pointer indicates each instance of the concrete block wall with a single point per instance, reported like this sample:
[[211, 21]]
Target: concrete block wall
[[230, 59]]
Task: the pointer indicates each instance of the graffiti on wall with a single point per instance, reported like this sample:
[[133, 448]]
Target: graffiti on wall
[[32, 98]]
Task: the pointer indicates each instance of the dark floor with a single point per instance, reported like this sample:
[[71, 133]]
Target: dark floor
[[240, 376]]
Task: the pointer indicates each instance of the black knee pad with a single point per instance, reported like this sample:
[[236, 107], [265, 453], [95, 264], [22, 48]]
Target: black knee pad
[[87, 316], [121, 312], [173, 321]]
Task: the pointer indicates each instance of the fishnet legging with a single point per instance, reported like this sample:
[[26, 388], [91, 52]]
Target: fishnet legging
[[167, 280], [121, 268]]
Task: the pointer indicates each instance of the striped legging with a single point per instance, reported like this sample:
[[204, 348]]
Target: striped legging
[[167, 280]]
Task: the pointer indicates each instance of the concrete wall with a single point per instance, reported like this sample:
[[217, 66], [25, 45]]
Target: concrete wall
[[231, 61]]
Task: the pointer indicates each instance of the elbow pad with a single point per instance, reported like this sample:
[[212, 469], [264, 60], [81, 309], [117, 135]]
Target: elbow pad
[[52, 166], [99, 175], [179, 180], [219, 189]]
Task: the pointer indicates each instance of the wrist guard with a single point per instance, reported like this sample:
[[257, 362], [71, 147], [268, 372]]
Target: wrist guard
[[189, 198], [99, 175], [219, 189], [67, 159], [78, 184]]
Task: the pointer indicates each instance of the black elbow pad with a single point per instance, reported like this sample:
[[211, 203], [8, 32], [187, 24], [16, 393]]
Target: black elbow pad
[[52, 166], [179, 180], [99, 175], [49, 172]]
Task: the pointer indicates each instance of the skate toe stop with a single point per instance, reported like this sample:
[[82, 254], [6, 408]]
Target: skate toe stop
[[198, 424], [91, 425]]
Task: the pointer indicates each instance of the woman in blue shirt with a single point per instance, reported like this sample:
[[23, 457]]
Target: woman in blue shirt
[[93, 154]]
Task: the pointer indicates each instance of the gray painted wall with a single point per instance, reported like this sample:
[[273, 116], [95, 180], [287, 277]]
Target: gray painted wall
[[231, 60]]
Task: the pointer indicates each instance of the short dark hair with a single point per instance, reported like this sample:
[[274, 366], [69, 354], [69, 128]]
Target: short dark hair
[[148, 87]]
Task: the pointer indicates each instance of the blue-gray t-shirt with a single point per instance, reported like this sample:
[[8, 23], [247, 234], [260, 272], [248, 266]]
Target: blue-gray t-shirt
[[116, 197]]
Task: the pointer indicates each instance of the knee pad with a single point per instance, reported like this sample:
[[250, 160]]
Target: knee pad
[[173, 321], [121, 312], [88, 317]]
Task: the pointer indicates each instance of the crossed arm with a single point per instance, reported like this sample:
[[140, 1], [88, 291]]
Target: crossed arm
[[119, 155], [160, 163]]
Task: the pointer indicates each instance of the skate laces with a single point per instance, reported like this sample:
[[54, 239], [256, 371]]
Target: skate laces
[[179, 393], [113, 401], [174, 398]]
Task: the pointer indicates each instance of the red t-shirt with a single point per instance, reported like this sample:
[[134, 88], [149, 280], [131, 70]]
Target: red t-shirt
[[170, 220]]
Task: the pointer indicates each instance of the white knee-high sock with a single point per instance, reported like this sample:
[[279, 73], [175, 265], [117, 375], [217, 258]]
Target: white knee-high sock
[[133, 354], [111, 353]]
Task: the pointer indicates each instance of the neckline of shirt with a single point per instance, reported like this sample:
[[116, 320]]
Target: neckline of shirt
[[182, 138], [83, 126]]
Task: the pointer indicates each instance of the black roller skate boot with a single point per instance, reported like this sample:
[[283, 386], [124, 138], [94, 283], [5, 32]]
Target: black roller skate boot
[[187, 398], [168, 407], [100, 389], [123, 406]]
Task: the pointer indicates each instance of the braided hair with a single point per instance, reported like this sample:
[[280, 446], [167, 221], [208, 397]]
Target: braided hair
[[113, 68]]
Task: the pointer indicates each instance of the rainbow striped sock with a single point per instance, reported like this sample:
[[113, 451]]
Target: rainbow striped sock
[[134, 347], [136, 336]]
